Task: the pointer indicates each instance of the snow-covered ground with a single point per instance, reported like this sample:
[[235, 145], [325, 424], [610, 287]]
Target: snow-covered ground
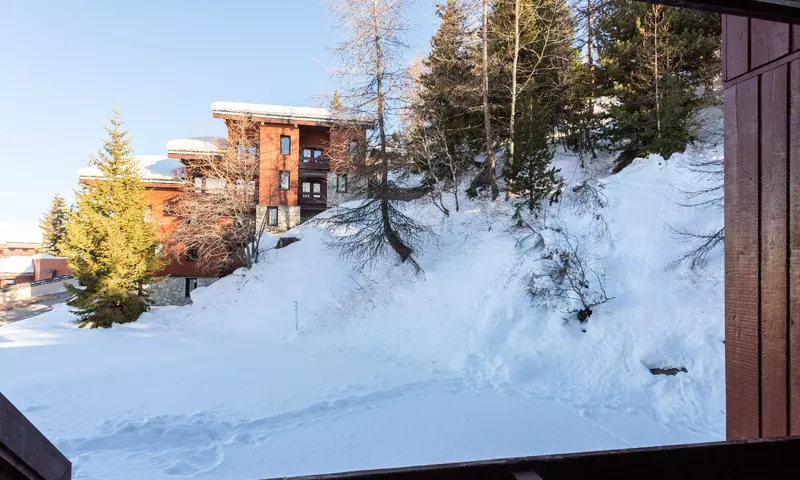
[[390, 369]]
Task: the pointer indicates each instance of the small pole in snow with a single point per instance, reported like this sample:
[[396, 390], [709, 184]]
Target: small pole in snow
[[296, 318]]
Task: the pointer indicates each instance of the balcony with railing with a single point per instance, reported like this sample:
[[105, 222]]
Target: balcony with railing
[[313, 159], [313, 194]]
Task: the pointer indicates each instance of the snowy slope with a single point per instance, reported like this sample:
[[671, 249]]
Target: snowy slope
[[391, 369]]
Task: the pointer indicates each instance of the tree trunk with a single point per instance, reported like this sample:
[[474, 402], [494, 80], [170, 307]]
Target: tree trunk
[[586, 135], [391, 236], [486, 115], [656, 12], [589, 38], [513, 93]]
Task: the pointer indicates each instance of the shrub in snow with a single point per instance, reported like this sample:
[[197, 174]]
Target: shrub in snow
[[568, 274]]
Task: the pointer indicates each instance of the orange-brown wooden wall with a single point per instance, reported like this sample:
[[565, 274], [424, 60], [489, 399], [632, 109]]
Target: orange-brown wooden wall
[[272, 162], [157, 195], [761, 74]]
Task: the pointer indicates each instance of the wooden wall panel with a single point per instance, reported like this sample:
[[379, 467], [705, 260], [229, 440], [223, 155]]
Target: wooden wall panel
[[762, 229], [794, 248], [795, 38], [742, 260], [315, 137], [774, 236], [271, 161], [736, 58], [24, 452], [157, 196], [768, 41]]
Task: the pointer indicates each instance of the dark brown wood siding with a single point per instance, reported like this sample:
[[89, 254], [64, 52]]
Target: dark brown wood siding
[[761, 70], [24, 452]]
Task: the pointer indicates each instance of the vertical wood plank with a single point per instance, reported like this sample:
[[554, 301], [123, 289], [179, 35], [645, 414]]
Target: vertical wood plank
[[768, 41], [736, 46], [741, 260], [724, 48], [774, 261], [794, 250], [795, 38]]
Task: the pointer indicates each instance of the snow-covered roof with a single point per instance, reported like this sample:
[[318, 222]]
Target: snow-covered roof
[[47, 256], [16, 265], [157, 168], [201, 145], [279, 112], [23, 264]]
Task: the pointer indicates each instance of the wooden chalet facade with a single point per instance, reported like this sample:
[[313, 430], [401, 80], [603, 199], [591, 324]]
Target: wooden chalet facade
[[291, 148]]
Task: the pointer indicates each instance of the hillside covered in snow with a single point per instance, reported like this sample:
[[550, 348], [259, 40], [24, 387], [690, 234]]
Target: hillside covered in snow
[[309, 364]]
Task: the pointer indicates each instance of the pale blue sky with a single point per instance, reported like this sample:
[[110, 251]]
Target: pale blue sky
[[64, 65]]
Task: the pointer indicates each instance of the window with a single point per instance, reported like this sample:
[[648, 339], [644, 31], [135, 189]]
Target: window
[[272, 216], [198, 184], [159, 249], [246, 152], [11, 282], [191, 284], [192, 220], [353, 148], [312, 155], [283, 183], [170, 206], [191, 254], [286, 145], [312, 190], [341, 183]]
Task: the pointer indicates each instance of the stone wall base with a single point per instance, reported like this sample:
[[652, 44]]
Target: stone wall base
[[356, 187], [288, 217], [172, 290]]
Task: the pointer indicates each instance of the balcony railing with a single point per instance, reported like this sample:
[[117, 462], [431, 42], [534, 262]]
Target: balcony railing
[[313, 200], [746, 459], [322, 164], [24, 452]]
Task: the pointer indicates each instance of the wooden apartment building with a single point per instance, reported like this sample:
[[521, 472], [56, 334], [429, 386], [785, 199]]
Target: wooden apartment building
[[295, 179]]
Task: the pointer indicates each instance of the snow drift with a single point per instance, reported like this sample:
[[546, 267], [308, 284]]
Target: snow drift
[[307, 364]]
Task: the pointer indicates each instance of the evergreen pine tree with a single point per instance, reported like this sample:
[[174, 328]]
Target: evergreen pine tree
[[534, 178], [654, 60], [111, 242], [54, 226], [336, 102], [532, 45], [449, 94]]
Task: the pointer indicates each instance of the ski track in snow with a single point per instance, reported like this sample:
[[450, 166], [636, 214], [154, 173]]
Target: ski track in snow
[[186, 445]]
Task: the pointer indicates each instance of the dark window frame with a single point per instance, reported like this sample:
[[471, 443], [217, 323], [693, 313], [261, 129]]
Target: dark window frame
[[246, 152], [192, 254], [188, 285], [288, 174], [269, 216], [289, 145], [311, 194], [339, 178], [317, 154]]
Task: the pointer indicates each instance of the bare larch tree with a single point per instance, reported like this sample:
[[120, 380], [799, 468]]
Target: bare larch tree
[[215, 212], [372, 75]]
